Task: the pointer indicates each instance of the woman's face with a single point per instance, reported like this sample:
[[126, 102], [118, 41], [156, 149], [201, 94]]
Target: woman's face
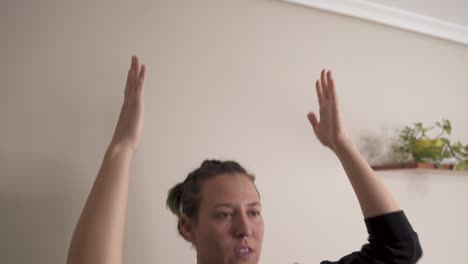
[[230, 209]]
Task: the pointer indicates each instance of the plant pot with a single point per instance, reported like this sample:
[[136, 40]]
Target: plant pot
[[427, 150], [461, 165]]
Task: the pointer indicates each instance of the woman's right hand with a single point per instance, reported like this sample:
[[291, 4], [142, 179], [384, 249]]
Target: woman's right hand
[[130, 124]]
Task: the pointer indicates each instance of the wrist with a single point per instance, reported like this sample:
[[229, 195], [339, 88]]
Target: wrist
[[342, 146], [119, 149]]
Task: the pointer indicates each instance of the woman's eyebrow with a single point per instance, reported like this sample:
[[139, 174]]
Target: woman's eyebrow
[[252, 204], [223, 205]]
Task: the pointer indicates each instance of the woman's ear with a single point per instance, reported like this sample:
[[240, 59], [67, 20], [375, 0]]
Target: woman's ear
[[186, 228]]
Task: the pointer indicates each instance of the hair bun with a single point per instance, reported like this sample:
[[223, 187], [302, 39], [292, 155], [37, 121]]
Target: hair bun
[[174, 199]]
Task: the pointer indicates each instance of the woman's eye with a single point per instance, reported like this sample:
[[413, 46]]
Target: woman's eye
[[255, 213], [224, 215]]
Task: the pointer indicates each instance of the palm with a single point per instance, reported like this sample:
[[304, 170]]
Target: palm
[[329, 130]]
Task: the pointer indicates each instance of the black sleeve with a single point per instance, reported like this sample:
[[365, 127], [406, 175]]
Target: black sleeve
[[391, 240]]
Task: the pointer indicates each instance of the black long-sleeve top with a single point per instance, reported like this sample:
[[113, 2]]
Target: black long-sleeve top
[[392, 240]]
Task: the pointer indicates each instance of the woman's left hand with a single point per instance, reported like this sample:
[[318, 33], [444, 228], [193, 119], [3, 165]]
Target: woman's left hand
[[329, 130], [130, 123]]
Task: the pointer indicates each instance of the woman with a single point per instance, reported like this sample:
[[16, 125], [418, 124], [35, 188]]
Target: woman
[[218, 206]]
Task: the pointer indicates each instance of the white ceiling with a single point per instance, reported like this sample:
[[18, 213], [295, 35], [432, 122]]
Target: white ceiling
[[454, 11], [445, 19]]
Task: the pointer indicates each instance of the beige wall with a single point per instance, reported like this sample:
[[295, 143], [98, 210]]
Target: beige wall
[[228, 80]]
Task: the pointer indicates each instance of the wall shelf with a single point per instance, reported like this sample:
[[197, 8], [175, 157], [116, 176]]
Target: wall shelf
[[418, 165]]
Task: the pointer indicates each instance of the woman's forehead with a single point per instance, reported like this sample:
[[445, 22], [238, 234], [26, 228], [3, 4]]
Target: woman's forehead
[[236, 188]]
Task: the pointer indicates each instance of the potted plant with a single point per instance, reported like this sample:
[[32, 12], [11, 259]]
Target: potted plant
[[415, 142]]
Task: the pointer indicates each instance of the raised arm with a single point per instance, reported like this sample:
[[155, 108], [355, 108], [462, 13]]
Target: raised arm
[[99, 235], [391, 236], [374, 198]]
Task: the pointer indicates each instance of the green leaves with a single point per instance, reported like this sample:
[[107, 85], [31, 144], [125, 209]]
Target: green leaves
[[414, 142]]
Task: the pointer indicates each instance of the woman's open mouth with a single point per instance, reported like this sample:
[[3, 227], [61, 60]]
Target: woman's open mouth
[[243, 252]]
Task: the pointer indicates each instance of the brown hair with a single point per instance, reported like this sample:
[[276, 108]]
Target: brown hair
[[185, 197]]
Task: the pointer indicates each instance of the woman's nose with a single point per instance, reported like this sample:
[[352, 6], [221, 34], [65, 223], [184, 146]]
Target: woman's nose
[[243, 226]]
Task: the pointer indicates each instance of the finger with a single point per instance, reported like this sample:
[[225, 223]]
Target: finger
[[141, 76], [319, 92], [312, 119], [324, 85], [329, 77], [132, 66], [136, 65], [129, 77], [331, 86], [333, 96]]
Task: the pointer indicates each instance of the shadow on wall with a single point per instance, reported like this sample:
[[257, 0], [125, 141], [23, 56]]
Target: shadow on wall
[[37, 215], [377, 147]]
